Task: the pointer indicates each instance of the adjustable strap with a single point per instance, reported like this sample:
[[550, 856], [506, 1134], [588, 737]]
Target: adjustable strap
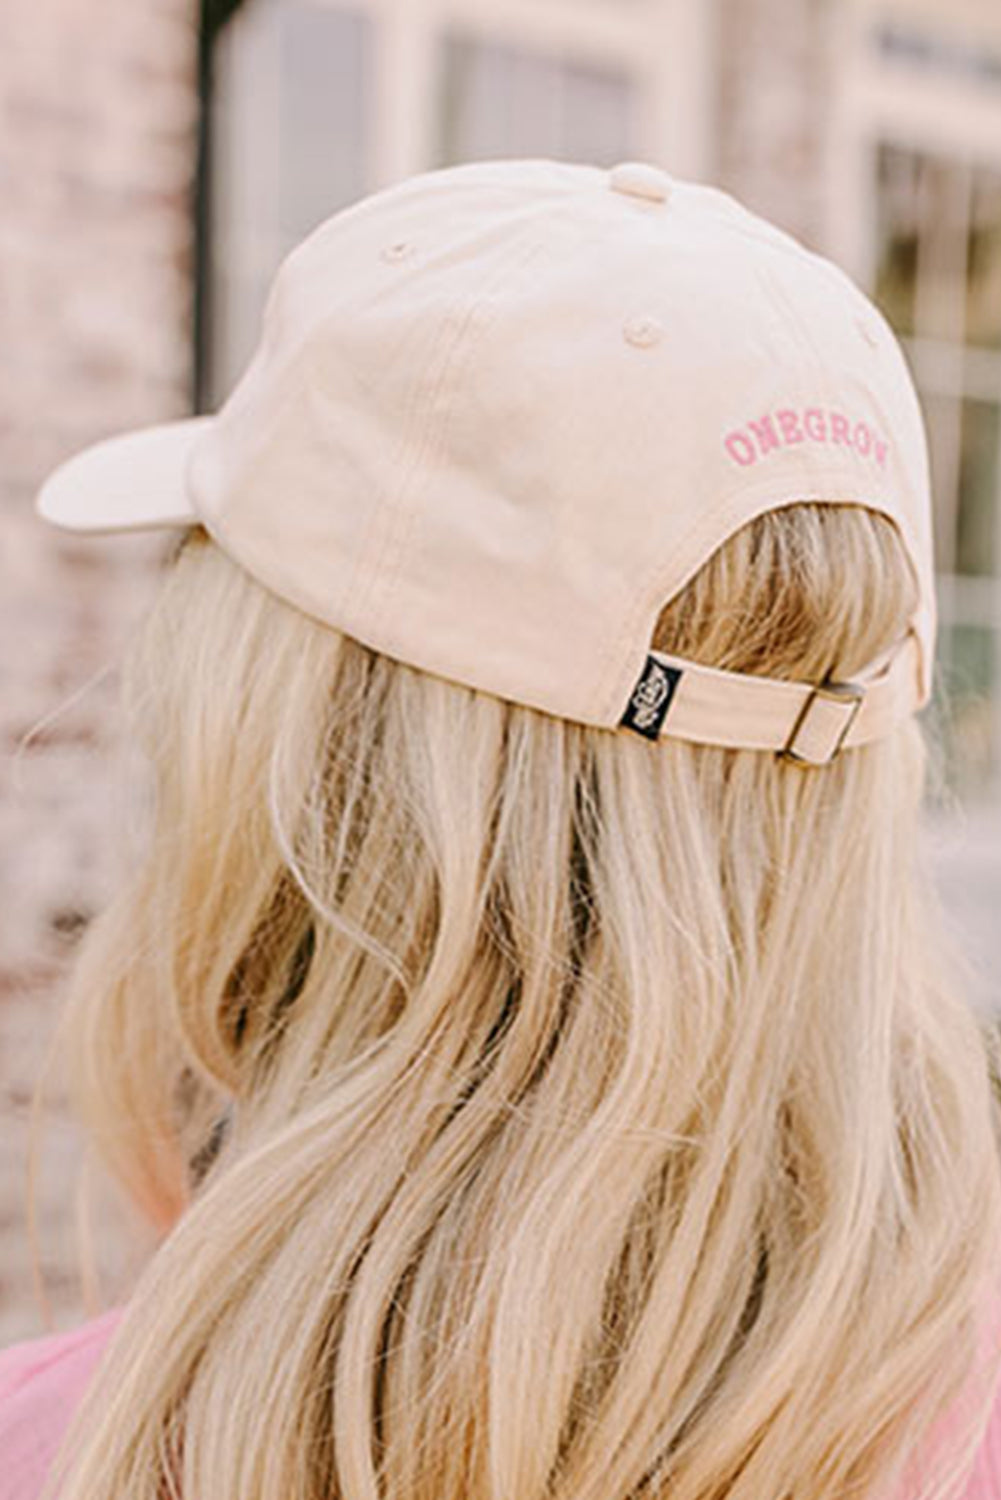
[[807, 724]]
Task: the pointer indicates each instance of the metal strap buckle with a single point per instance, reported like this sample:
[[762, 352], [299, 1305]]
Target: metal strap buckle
[[837, 692]]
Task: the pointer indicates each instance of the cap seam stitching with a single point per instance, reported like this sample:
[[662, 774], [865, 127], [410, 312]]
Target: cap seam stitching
[[413, 437], [459, 353]]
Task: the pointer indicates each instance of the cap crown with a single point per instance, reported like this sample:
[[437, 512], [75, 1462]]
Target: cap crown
[[502, 412]]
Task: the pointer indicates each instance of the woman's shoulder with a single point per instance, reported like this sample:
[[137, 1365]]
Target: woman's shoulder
[[41, 1381]]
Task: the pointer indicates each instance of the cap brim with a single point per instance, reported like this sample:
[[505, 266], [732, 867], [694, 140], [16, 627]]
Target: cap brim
[[133, 482]]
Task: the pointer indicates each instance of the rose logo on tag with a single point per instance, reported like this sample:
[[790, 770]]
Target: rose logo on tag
[[651, 698]]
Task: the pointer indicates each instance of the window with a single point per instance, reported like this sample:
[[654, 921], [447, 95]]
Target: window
[[938, 279], [291, 132], [939, 54], [322, 65], [502, 100]]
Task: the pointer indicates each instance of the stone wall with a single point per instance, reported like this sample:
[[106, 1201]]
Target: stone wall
[[98, 104]]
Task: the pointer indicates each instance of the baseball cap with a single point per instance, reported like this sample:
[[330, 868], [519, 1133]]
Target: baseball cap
[[501, 412]]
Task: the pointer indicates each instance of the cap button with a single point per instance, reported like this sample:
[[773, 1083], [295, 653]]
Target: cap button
[[640, 180]]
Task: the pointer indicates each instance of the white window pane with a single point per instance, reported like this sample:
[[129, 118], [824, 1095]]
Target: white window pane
[[324, 64], [500, 101], [290, 126], [598, 114]]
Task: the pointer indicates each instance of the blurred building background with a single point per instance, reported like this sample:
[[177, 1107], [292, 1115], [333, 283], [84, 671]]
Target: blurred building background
[[156, 162]]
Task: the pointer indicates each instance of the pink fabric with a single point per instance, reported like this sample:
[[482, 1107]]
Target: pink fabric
[[41, 1380], [985, 1481]]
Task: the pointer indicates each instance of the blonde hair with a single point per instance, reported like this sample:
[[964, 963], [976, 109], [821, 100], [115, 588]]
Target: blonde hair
[[528, 1110]]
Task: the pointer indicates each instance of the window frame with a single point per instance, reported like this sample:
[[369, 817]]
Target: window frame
[[645, 37], [893, 101]]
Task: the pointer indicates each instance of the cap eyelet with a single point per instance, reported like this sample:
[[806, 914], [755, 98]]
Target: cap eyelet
[[639, 179], [867, 332], [643, 333], [400, 251]]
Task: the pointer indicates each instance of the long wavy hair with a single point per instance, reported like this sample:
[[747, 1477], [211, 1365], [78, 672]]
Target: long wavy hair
[[524, 1110]]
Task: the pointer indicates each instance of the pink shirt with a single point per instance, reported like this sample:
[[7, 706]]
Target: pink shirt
[[42, 1379]]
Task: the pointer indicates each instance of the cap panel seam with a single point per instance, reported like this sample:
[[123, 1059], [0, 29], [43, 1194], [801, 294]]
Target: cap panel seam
[[412, 442], [402, 501], [594, 232], [384, 574]]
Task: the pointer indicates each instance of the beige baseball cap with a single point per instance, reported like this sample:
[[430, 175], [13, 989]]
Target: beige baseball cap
[[500, 413]]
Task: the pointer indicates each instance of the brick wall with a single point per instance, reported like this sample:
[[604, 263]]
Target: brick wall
[[96, 155]]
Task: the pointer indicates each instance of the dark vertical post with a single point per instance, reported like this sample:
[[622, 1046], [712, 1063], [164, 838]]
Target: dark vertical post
[[202, 207], [212, 16]]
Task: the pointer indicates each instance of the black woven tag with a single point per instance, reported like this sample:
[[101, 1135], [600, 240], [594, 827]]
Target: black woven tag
[[651, 699]]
